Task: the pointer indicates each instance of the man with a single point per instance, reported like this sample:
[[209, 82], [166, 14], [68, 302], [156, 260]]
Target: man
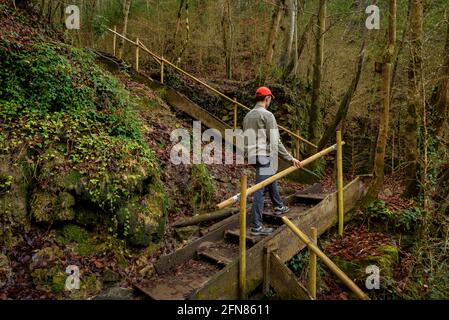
[[263, 154]]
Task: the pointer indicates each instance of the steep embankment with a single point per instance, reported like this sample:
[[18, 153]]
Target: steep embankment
[[85, 176]]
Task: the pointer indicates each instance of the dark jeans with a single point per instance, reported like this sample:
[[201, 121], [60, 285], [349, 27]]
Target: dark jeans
[[264, 171]]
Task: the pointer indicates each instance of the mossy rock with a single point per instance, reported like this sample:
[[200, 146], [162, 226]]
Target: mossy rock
[[185, 233], [13, 191], [48, 207], [89, 286], [201, 189], [70, 181], [143, 218], [386, 262], [83, 242], [46, 268], [74, 233]]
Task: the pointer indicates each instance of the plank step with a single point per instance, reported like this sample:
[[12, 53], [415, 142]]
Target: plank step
[[216, 255], [309, 198], [234, 235]]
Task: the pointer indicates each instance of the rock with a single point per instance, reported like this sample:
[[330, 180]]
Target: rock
[[386, 262], [5, 270], [48, 207], [185, 233], [45, 257], [143, 218], [47, 270], [116, 293], [84, 242], [13, 189], [109, 275]]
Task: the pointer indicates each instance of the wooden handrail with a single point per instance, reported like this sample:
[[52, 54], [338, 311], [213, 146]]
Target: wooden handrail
[[161, 60], [328, 262]]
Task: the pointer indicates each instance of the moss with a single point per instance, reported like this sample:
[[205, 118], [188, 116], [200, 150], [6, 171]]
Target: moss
[[84, 242], [185, 233], [74, 233], [49, 207], [70, 181], [13, 190], [46, 269], [386, 262], [201, 189], [58, 282], [88, 217], [143, 218], [89, 285], [65, 205]]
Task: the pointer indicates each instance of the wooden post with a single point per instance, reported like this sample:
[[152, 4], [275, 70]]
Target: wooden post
[[235, 114], [312, 264], [137, 54], [328, 262], [340, 184], [114, 42], [242, 241], [298, 150], [162, 69]]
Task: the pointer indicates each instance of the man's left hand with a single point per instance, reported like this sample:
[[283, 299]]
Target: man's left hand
[[296, 163]]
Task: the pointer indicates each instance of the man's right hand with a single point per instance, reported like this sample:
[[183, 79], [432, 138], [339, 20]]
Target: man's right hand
[[296, 163]]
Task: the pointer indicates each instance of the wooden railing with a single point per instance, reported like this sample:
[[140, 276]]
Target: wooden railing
[[311, 243], [163, 62]]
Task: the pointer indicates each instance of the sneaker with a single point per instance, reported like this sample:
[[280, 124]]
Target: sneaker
[[281, 210], [261, 231]]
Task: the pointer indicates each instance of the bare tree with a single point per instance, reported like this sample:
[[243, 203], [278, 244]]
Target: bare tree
[[273, 34], [345, 102], [415, 97], [315, 121], [441, 98], [227, 36], [126, 8], [379, 157]]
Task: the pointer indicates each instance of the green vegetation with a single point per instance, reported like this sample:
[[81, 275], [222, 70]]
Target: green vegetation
[[71, 144]]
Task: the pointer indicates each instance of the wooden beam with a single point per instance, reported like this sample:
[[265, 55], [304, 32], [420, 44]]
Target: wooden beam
[[219, 214], [284, 282]]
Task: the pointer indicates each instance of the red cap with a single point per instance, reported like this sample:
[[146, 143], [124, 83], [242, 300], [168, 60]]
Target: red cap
[[264, 91]]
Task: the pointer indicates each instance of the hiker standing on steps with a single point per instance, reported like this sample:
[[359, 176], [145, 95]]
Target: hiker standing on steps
[[263, 155]]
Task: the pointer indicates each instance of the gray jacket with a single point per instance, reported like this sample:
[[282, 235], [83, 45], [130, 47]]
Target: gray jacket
[[263, 123]]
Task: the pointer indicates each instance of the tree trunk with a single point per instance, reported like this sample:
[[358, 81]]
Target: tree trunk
[[227, 37], [344, 104], [272, 36], [379, 157], [186, 40], [290, 38], [126, 8], [315, 121], [415, 98], [441, 101]]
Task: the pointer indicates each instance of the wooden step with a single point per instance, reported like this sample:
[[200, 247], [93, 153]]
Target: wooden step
[[180, 283], [221, 254], [310, 198], [234, 235]]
